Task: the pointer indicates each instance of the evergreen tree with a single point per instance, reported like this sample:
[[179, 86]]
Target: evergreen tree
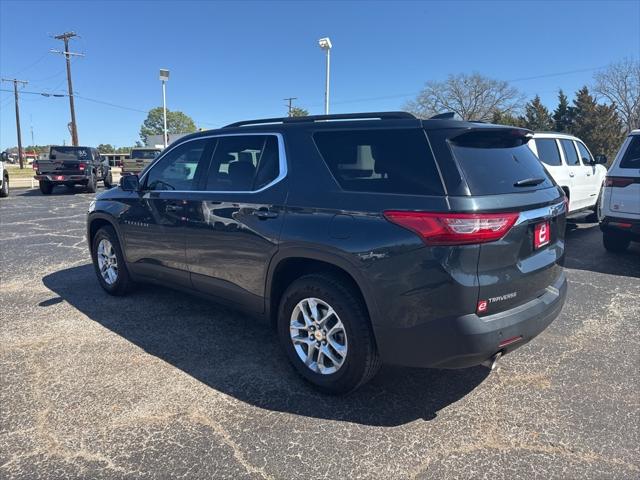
[[597, 125], [506, 118], [562, 114], [537, 117]]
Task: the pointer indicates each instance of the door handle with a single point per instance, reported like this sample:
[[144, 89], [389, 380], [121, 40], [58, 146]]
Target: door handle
[[571, 174], [264, 214]]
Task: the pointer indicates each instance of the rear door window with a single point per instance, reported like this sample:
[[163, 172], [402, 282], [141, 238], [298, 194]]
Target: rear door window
[[631, 157], [495, 162], [548, 151], [244, 163], [570, 154], [585, 155], [382, 161]]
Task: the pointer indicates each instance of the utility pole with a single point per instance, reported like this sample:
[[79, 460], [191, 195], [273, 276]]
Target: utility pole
[[65, 38], [15, 95], [290, 100]]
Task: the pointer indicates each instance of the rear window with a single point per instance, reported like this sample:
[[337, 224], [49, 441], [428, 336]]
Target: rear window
[[145, 154], [381, 161], [631, 157], [70, 153], [494, 162], [548, 151]]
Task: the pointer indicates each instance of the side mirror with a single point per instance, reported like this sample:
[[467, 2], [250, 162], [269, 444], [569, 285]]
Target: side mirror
[[4, 156], [130, 183], [601, 159]]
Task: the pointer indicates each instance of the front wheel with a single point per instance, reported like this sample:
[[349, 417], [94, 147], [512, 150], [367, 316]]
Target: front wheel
[[4, 191], [109, 264], [324, 328], [615, 242]]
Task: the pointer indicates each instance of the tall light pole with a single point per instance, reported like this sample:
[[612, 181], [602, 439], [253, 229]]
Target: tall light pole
[[67, 54], [164, 76], [325, 44]]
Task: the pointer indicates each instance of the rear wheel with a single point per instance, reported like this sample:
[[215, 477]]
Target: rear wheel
[[92, 184], [109, 264], [108, 180], [4, 191], [324, 328], [615, 242], [46, 187]]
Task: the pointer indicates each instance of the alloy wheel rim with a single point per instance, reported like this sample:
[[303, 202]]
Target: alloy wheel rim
[[318, 336], [107, 262]]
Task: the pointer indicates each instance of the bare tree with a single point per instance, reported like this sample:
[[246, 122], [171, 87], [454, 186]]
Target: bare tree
[[620, 85], [472, 97]]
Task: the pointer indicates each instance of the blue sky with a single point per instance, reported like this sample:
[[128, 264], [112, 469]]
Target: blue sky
[[238, 60]]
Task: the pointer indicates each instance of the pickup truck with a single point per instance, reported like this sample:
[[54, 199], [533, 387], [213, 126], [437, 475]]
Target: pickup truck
[[72, 166], [139, 159], [574, 169]]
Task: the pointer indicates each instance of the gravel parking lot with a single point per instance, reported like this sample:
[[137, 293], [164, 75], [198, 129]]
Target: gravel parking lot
[[159, 384]]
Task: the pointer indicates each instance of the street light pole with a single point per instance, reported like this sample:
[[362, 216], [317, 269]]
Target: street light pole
[[325, 44], [164, 76]]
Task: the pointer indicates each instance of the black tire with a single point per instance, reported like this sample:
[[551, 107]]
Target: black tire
[[46, 187], [92, 184], [362, 361], [123, 283], [615, 242], [4, 191], [108, 180]]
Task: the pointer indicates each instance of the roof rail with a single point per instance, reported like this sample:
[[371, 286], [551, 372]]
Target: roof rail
[[443, 116], [319, 118]]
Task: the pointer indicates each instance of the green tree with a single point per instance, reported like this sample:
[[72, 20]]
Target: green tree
[[106, 148], [562, 114], [537, 117], [298, 112], [597, 125], [506, 118], [177, 122]]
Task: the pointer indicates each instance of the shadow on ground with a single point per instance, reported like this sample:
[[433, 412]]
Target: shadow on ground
[[585, 251], [240, 356]]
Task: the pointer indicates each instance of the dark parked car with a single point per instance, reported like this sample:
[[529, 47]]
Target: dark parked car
[[72, 166], [365, 238]]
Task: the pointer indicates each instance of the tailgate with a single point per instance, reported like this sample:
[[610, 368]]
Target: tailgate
[[134, 164], [514, 270], [62, 167], [626, 199]]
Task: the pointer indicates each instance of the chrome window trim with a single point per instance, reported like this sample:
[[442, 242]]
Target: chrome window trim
[[543, 212], [282, 163]]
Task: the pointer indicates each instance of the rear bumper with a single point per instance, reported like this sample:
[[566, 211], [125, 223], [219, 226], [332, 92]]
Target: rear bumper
[[628, 226], [469, 340], [53, 178]]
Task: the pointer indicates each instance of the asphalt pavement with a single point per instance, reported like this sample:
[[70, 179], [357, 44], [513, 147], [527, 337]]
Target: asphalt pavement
[[159, 384]]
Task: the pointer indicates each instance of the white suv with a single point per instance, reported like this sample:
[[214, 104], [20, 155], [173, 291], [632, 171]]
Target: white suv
[[4, 177], [620, 204], [572, 166]]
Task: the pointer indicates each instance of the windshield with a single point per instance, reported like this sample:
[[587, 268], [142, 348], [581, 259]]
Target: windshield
[[145, 154], [70, 153]]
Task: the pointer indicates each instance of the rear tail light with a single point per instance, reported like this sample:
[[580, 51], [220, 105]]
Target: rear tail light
[[618, 181], [454, 228], [81, 167], [34, 165]]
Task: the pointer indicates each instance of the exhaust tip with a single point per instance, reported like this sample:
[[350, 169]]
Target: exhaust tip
[[491, 362]]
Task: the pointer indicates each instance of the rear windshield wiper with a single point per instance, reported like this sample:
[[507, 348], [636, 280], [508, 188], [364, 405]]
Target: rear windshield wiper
[[529, 182]]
